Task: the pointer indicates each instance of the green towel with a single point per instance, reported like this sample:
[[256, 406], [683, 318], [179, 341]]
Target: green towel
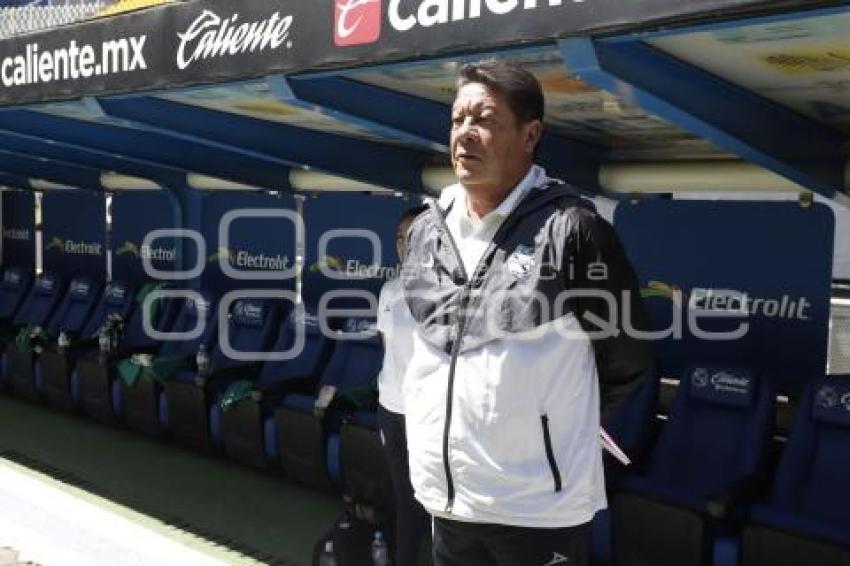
[[30, 337], [22, 340], [165, 367], [162, 369], [129, 371], [235, 392]]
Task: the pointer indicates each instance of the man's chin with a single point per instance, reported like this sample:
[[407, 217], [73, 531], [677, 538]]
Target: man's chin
[[467, 177], [473, 182]]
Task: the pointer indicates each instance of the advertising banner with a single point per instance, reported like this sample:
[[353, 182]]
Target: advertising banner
[[74, 234], [19, 229], [350, 246], [205, 41], [742, 283], [259, 249], [134, 216]]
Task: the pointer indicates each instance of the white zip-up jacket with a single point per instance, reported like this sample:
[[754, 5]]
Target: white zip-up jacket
[[502, 394]]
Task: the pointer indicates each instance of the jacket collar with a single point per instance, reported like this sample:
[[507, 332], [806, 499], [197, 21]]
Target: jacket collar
[[536, 178]]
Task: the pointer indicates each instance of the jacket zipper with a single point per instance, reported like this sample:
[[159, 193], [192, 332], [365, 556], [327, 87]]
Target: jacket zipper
[[550, 454], [461, 327], [450, 488]]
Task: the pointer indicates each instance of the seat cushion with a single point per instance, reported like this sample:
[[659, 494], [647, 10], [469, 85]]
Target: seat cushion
[[665, 493], [800, 525]]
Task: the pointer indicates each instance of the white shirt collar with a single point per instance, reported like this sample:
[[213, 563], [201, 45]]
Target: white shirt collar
[[536, 177]]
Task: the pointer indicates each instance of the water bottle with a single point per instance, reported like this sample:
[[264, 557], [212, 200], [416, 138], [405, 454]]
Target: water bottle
[[104, 342], [202, 360], [328, 556], [380, 550], [63, 342], [345, 522]]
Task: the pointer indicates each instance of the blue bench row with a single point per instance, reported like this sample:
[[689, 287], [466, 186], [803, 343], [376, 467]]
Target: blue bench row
[[311, 416], [710, 491]]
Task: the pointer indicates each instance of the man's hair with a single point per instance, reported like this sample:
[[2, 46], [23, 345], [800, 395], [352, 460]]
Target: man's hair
[[520, 88], [411, 213]]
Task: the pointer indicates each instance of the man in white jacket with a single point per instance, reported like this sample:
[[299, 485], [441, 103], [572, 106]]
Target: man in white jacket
[[508, 277]]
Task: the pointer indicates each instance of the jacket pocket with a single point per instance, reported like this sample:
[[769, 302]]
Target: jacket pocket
[[550, 454]]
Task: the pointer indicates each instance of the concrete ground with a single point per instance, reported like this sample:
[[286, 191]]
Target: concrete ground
[[75, 491]]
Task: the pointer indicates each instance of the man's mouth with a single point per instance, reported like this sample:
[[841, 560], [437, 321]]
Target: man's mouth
[[467, 157]]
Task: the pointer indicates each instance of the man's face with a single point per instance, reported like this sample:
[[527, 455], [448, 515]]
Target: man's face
[[490, 150]]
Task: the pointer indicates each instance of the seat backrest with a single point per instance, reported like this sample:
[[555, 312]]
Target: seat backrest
[[357, 356], [187, 320], [718, 430], [75, 308], [117, 299], [309, 361], [812, 474], [13, 290], [40, 301], [252, 326], [164, 312]]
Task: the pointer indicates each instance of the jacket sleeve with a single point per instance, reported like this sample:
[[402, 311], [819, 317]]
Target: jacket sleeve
[[608, 304]]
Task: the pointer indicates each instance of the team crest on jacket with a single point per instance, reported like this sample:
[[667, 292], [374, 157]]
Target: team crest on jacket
[[521, 262]]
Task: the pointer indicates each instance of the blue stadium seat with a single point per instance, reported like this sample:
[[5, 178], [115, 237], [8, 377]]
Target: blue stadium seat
[[99, 390], [252, 327], [704, 468], [117, 299], [239, 423], [135, 339], [35, 312], [71, 316], [632, 427], [807, 520], [74, 310], [13, 290], [92, 379], [141, 399], [307, 427], [40, 302]]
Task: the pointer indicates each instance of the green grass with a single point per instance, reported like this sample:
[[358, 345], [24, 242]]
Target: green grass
[[257, 514]]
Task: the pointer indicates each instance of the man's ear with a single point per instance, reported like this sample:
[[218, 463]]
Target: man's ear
[[533, 131]]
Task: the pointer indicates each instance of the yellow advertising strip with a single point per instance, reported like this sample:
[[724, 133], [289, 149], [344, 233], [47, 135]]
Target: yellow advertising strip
[[130, 5]]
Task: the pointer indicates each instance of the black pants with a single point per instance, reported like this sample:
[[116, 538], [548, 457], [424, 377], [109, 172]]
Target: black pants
[[474, 544], [412, 522]]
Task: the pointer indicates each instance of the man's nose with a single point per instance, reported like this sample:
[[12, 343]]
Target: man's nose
[[466, 130]]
